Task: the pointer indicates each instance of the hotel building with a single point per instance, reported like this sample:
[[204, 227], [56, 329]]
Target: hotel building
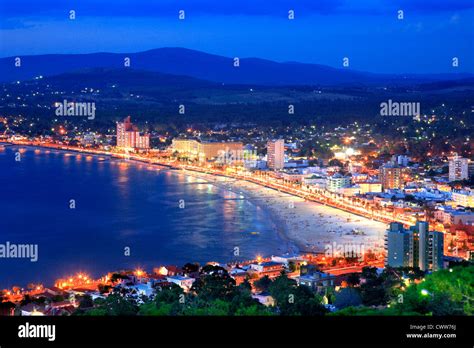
[[129, 137], [209, 150], [276, 154]]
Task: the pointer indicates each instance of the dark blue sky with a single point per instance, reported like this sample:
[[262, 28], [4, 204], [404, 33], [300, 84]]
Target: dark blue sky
[[324, 31]]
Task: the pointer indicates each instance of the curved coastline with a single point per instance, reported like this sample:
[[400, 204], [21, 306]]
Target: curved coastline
[[304, 226]]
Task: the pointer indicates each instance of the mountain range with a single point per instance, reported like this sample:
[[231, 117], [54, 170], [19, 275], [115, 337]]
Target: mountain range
[[209, 67]]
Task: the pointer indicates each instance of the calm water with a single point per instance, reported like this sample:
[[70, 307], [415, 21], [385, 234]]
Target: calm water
[[118, 205]]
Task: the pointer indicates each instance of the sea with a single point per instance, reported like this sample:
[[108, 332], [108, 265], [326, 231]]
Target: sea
[[94, 215]]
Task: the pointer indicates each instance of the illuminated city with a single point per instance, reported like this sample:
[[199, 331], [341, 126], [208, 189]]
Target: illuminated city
[[312, 162]]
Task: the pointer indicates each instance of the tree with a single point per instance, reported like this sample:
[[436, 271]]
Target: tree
[[292, 299], [263, 284], [373, 291], [86, 302], [353, 279], [191, 268]]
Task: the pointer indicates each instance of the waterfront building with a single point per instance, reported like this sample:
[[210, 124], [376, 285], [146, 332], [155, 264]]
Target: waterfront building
[[229, 152], [222, 151], [276, 154], [370, 187], [338, 181], [318, 181], [415, 247], [185, 147], [128, 136], [458, 168]]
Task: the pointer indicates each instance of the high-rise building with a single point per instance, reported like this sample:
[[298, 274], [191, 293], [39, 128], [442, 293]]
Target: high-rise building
[[415, 247], [458, 168], [391, 176], [276, 154], [397, 245], [129, 137]]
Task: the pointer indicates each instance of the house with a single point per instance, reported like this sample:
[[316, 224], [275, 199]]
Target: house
[[143, 289], [270, 266], [317, 281], [239, 275], [264, 298], [182, 281], [168, 270], [32, 309], [271, 269]]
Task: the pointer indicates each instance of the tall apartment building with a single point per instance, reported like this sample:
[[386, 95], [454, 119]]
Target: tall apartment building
[[276, 154], [415, 247], [458, 168], [129, 137], [391, 176]]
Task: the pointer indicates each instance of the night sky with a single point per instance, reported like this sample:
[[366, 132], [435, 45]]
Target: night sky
[[323, 31]]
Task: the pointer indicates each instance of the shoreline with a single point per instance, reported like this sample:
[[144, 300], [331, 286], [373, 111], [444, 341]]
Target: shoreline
[[227, 184], [305, 225], [312, 227]]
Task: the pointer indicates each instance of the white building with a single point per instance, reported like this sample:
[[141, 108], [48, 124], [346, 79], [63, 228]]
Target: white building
[[338, 181], [464, 198], [183, 282], [458, 168]]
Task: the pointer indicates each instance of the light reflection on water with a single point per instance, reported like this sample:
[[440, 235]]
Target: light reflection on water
[[119, 205]]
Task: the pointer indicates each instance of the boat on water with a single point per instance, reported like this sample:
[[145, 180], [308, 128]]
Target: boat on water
[[254, 233]]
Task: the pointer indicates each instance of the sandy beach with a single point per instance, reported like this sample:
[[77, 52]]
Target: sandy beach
[[309, 225]]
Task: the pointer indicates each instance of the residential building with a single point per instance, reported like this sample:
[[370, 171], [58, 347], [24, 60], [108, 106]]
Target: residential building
[[338, 181], [182, 281], [370, 187], [317, 281], [391, 176], [276, 154], [464, 198], [415, 247], [458, 168], [450, 216]]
